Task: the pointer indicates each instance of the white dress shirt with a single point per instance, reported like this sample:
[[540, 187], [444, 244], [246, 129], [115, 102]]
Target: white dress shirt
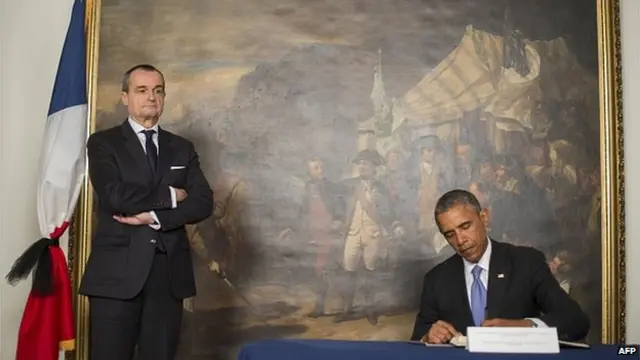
[[138, 129], [484, 277]]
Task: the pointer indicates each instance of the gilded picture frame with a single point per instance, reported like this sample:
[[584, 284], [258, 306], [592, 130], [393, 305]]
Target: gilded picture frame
[[612, 203]]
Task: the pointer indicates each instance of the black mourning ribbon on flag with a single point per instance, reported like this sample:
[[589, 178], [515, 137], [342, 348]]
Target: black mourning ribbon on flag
[[36, 259]]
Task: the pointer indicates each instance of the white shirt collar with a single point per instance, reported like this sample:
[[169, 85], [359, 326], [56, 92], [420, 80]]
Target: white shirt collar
[[483, 263], [137, 128]]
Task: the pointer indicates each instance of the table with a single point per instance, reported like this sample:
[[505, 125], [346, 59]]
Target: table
[[299, 349]]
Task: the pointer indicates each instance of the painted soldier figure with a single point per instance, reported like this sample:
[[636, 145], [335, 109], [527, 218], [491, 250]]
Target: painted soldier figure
[[321, 216], [428, 179], [371, 223]]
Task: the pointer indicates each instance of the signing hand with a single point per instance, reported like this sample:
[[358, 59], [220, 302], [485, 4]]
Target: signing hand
[[440, 333], [507, 323], [181, 194], [144, 218]]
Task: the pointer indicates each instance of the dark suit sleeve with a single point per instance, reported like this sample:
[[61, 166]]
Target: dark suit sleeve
[[559, 310], [120, 197], [199, 202], [428, 313]]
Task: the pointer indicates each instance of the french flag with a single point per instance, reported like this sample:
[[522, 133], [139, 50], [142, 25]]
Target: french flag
[[47, 323]]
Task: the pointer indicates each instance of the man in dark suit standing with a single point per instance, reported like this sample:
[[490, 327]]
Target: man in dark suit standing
[[149, 185], [489, 283]]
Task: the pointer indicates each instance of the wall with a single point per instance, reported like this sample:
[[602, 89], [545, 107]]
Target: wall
[[31, 36]]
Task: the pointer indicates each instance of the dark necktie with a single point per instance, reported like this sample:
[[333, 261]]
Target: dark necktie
[[151, 149], [152, 156]]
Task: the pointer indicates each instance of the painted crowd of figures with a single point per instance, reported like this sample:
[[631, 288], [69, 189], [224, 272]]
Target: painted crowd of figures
[[375, 233]]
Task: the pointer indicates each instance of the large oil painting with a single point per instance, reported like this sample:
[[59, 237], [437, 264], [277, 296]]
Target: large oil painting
[[290, 101]]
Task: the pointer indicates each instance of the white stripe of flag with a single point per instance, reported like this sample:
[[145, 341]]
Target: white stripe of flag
[[62, 158]]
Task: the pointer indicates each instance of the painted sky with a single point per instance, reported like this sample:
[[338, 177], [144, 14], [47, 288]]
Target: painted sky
[[205, 46]]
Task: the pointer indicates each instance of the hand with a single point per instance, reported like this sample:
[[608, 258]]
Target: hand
[[336, 225], [398, 232], [440, 333], [285, 234], [144, 218], [215, 267], [507, 323], [187, 305], [181, 194]]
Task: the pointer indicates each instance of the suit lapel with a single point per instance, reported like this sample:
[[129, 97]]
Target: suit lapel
[[499, 277], [165, 154], [459, 286], [132, 144]]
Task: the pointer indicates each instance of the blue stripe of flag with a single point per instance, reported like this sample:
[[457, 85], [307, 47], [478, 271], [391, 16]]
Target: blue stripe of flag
[[70, 87]]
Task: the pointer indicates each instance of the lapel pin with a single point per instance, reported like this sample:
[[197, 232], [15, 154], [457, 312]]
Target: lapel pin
[[500, 276]]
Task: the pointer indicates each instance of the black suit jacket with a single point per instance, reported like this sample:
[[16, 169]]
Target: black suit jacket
[[121, 255], [527, 290]]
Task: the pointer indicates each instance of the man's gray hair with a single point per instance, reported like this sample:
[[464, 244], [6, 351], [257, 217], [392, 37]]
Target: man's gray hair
[[126, 78]]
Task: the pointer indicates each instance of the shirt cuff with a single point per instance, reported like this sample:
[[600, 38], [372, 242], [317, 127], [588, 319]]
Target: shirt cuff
[[174, 202], [538, 322], [156, 225]]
